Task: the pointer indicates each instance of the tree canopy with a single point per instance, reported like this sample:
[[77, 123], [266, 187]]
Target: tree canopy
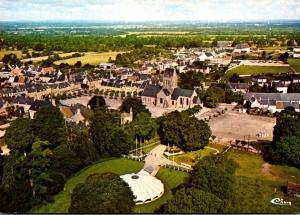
[[20, 135], [49, 125], [96, 101], [215, 174], [190, 80], [102, 193], [285, 147], [184, 131], [192, 200], [136, 105]]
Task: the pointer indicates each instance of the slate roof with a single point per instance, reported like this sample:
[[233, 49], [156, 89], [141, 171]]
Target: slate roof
[[151, 90], [239, 85], [37, 104], [181, 92], [242, 46], [273, 96]]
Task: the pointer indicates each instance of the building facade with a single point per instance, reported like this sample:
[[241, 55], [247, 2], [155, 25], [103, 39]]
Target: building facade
[[169, 95]]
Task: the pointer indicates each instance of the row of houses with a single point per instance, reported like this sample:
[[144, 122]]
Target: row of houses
[[272, 102], [280, 85]]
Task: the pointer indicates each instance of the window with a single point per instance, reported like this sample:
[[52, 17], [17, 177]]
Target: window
[[187, 101], [161, 100], [173, 102], [181, 101]]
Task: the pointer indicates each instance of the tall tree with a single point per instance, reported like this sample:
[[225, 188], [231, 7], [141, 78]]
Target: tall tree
[[96, 101], [135, 104], [102, 193], [19, 136], [190, 80], [184, 131], [102, 129], [144, 126], [192, 200], [215, 174], [49, 125]]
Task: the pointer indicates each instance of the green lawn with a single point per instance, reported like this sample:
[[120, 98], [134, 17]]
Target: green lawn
[[295, 63], [93, 58], [255, 70], [256, 188], [62, 200], [171, 179]]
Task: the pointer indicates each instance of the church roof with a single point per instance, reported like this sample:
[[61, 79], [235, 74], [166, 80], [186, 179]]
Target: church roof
[[181, 92], [151, 90]]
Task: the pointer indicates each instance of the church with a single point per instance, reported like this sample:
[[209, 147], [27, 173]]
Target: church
[[169, 95]]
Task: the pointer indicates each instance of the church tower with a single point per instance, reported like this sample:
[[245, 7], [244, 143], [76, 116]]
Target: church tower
[[170, 79]]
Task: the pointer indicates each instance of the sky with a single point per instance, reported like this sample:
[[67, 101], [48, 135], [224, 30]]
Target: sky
[[149, 10]]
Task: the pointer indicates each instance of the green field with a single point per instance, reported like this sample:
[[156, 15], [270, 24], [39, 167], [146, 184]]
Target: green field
[[295, 63], [62, 200], [92, 58], [256, 70], [17, 53], [121, 166], [256, 186]]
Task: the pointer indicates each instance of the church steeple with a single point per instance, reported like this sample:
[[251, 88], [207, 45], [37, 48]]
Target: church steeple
[[170, 79]]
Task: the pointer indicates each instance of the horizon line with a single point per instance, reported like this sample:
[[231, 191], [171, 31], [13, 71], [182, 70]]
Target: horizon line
[[132, 21]]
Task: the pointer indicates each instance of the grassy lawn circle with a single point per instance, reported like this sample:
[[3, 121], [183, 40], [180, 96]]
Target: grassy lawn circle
[[121, 166]]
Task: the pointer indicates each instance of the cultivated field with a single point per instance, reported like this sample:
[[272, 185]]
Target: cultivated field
[[234, 125], [295, 63], [92, 58], [36, 59], [256, 70], [18, 53]]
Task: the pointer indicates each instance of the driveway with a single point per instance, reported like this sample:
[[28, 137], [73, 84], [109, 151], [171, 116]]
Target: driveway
[[155, 159]]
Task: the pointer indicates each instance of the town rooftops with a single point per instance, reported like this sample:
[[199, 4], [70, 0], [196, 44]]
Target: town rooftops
[[223, 44], [242, 46]]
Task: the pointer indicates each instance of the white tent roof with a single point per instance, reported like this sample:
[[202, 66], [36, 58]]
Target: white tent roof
[[145, 187]]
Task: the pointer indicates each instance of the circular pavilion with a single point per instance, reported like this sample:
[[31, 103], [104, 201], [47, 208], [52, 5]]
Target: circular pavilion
[[145, 187]]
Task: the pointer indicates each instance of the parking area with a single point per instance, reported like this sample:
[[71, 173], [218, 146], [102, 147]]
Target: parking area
[[233, 125]]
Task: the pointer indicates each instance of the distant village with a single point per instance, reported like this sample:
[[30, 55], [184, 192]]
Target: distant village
[[26, 89]]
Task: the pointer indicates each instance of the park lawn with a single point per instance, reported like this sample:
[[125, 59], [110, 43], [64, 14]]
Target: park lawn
[[171, 179], [62, 200], [256, 70], [92, 58], [295, 63]]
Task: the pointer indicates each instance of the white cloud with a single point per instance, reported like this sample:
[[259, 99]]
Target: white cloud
[[149, 9]]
